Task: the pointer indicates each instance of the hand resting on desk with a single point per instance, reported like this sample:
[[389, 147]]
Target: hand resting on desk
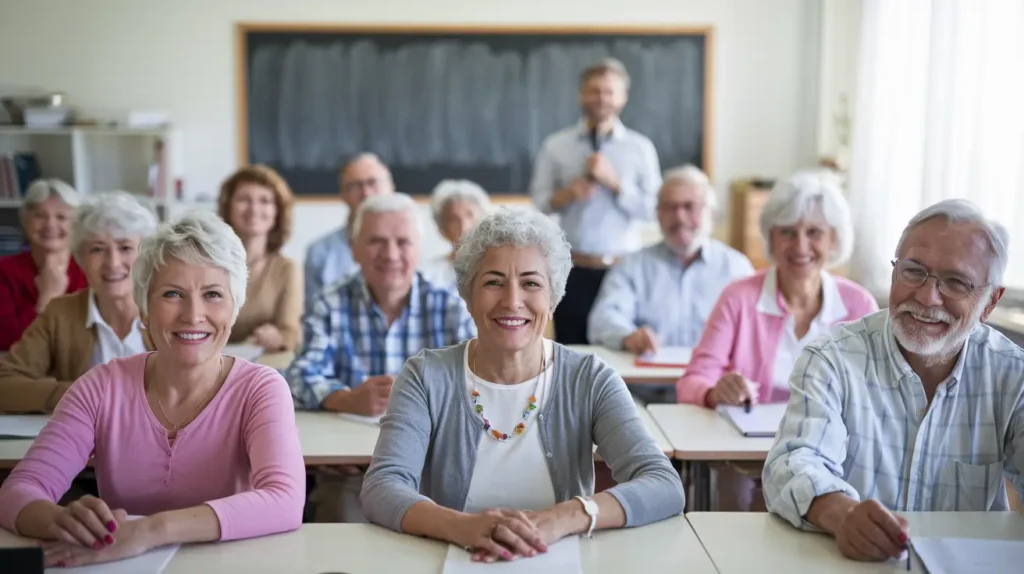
[[865, 531]]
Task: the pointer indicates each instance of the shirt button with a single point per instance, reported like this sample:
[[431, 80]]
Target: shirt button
[[167, 467], [540, 417], [549, 455]]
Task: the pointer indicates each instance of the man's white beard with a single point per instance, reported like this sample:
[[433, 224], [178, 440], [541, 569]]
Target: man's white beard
[[932, 349]]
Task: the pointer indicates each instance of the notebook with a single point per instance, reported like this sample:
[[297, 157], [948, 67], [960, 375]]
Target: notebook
[[22, 426], [672, 357], [761, 422]]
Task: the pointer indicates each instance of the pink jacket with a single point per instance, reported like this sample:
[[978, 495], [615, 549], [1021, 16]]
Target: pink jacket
[[743, 331], [241, 456]]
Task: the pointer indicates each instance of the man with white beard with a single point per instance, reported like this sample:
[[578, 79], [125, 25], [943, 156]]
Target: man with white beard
[[916, 408], [662, 295]]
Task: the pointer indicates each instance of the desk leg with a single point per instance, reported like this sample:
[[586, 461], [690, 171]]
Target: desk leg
[[700, 479]]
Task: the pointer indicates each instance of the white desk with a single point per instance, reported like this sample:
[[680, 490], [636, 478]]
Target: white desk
[[699, 435], [279, 361], [759, 542], [623, 363], [668, 546]]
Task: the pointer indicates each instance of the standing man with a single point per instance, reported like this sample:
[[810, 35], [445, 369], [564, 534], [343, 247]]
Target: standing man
[[329, 259], [599, 177]]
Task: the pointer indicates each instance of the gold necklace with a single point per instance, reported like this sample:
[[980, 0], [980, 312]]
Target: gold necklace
[[202, 404]]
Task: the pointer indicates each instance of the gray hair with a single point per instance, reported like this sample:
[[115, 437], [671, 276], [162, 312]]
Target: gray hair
[[605, 66], [453, 190], [799, 197], [961, 210], [118, 214], [386, 203], [42, 189], [198, 238], [692, 175], [520, 228]]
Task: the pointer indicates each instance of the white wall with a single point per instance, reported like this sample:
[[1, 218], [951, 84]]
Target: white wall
[[180, 56]]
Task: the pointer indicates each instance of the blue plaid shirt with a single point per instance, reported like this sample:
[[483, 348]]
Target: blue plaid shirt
[[858, 422], [347, 338]]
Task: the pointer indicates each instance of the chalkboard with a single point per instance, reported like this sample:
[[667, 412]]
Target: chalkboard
[[454, 103]]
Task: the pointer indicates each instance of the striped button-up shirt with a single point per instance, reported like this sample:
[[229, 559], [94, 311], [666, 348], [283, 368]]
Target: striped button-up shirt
[[858, 422], [347, 337], [652, 288], [601, 225]]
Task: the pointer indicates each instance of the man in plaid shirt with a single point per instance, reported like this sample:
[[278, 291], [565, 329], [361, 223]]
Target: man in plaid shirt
[[360, 331]]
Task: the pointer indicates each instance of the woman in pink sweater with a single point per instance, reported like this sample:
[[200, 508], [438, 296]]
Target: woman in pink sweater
[[760, 324], [203, 446]]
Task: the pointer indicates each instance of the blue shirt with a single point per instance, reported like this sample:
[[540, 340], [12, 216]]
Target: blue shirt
[[599, 225], [858, 422], [328, 261], [652, 288], [347, 338]]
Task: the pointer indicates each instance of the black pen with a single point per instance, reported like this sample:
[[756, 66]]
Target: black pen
[[746, 406], [908, 555]]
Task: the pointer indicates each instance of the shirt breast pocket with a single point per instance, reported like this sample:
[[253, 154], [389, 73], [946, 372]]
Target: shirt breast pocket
[[971, 486]]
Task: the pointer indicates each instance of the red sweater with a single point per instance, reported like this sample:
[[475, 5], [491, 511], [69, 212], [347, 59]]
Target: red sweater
[[18, 294]]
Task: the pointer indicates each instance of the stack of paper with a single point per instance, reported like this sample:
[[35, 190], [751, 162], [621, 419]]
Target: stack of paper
[[761, 421], [22, 426], [366, 420], [245, 351], [969, 555], [562, 557], [671, 357]]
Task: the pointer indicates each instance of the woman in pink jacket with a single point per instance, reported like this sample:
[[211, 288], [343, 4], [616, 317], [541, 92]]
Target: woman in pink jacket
[[760, 324], [201, 445]]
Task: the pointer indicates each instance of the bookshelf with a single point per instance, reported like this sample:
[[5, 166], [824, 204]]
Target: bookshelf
[[93, 160]]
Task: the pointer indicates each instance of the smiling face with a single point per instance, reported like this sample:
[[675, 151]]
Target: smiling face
[[388, 250], [925, 321], [107, 263], [364, 178], [190, 311], [603, 96], [252, 210], [802, 249], [511, 297], [681, 215], [47, 225], [456, 218]]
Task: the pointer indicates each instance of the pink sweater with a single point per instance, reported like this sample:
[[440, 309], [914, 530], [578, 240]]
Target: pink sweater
[[738, 336], [241, 456]]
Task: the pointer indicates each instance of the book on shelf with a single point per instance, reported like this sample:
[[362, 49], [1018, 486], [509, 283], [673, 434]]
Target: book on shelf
[[17, 172]]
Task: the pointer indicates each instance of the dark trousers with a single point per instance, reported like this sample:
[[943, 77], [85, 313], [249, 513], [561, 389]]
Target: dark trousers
[[571, 314]]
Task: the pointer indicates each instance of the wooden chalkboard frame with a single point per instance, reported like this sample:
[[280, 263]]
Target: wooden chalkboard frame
[[242, 30]]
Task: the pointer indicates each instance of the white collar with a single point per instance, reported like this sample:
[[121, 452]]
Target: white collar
[[832, 307], [93, 317]]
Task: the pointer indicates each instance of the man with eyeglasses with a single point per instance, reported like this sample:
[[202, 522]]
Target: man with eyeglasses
[[329, 259], [919, 407]]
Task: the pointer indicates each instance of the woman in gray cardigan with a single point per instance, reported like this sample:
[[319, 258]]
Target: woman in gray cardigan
[[489, 444]]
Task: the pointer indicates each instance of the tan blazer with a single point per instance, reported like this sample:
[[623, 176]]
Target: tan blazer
[[56, 349], [275, 297]]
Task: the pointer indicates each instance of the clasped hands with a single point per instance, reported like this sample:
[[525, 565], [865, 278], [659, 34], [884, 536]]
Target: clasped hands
[[505, 534], [599, 170]]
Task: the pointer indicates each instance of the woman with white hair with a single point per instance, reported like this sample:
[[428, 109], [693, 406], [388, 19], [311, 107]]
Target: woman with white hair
[[457, 206], [501, 428], [79, 331], [30, 280], [760, 324], [203, 446]]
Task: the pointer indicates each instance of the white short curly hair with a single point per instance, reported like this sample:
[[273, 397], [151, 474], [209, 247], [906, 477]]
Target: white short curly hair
[[118, 214], [452, 190], [518, 227], [198, 238], [810, 194]]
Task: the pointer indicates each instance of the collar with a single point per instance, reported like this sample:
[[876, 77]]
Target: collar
[[901, 367], [618, 129], [93, 317], [704, 252], [832, 307]]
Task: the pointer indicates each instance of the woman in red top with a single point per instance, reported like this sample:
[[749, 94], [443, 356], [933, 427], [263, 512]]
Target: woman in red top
[[30, 280]]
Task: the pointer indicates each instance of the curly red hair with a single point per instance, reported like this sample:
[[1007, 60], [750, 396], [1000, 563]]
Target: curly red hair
[[283, 198]]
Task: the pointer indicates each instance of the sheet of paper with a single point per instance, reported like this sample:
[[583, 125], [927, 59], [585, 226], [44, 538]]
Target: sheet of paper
[[152, 562], [969, 555], [21, 426], [666, 357], [761, 421], [562, 557], [244, 351], [361, 418]]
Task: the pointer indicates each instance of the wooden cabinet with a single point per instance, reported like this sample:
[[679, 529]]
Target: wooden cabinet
[[747, 198]]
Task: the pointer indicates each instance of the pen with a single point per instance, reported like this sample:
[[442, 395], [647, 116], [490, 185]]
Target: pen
[[746, 406], [909, 550]]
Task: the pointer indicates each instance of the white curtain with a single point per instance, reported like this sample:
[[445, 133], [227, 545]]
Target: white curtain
[[939, 114]]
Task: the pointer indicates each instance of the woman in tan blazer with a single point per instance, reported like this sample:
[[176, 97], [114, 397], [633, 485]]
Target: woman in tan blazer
[[257, 203], [79, 331]]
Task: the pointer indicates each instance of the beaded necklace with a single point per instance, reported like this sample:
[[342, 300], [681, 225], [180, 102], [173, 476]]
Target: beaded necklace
[[531, 405]]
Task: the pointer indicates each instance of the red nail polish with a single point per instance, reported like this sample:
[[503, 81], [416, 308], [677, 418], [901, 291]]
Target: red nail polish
[[903, 537], [108, 539], [111, 526]]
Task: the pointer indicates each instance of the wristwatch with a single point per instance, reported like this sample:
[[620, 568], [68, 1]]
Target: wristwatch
[[590, 507]]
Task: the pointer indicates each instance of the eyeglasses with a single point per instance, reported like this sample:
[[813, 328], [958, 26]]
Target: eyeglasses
[[951, 286]]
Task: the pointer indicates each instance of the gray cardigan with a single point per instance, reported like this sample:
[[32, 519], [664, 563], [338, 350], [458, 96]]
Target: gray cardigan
[[429, 437]]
